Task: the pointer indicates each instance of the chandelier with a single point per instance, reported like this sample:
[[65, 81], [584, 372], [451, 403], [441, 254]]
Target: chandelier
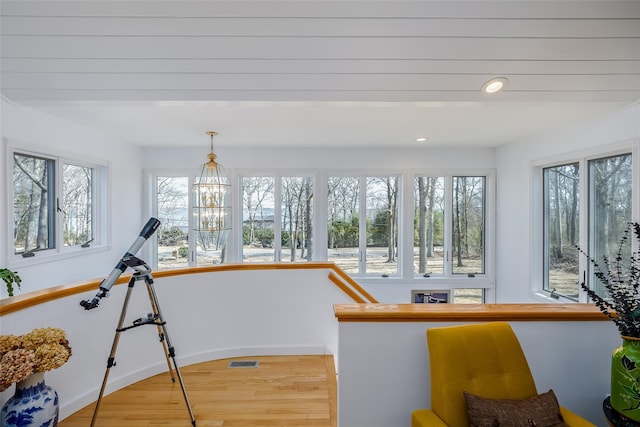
[[212, 203]]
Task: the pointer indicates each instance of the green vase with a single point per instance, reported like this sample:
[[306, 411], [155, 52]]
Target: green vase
[[625, 378]]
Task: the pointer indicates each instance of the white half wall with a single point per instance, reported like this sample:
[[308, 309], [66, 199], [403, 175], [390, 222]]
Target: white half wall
[[209, 316], [383, 367]]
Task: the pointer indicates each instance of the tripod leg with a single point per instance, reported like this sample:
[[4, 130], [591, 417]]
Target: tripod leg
[[111, 361], [169, 350], [161, 333]]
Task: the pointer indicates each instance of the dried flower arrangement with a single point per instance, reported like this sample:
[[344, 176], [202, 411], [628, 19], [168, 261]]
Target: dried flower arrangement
[[40, 350], [621, 278]]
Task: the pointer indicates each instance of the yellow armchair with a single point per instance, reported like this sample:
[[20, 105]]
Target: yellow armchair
[[483, 359]]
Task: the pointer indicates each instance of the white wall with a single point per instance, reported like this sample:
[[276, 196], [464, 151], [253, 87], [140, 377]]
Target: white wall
[[514, 200], [127, 198], [209, 316], [383, 367], [512, 162], [34, 129], [402, 350], [353, 160]]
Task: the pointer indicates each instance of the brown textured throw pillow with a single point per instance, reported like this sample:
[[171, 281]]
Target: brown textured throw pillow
[[537, 411]]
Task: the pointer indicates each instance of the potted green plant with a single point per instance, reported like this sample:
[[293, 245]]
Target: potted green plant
[[620, 276], [10, 279]]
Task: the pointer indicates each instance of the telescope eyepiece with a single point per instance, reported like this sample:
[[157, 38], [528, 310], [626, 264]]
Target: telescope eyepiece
[[88, 305]]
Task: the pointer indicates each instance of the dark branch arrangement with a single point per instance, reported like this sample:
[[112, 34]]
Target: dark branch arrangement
[[621, 279]]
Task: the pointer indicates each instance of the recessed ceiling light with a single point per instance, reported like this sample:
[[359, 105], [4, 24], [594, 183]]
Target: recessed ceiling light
[[494, 85], [422, 139]]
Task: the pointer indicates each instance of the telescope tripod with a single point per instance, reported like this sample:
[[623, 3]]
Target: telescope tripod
[[143, 272]]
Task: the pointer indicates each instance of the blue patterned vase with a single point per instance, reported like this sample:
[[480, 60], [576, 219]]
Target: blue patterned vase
[[33, 404]]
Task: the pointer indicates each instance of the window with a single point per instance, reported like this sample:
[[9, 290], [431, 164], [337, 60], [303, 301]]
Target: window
[[468, 225], [55, 204], [277, 206], [399, 227], [610, 200], [454, 243], [561, 220], [468, 296], [296, 213], [172, 210], [344, 222], [363, 224], [77, 204], [604, 195], [34, 203], [258, 219], [381, 195], [177, 243], [429, 226]]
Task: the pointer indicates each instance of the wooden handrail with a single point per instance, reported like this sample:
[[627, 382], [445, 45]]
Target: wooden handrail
[[345, 288], [466, 312], [31, 299], [366, 309], [366, 295]]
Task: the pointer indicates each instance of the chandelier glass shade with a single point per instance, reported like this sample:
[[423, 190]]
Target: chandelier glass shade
[[212, 203]]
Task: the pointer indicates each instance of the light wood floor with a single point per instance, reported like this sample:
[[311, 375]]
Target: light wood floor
[[281, 391]]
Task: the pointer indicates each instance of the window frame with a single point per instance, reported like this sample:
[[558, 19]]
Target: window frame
[[151, 179], [583, 158], [363, 178], [237, 233], [93, 188], [450, 280], [100, 239], [545, 239], [405, 279]]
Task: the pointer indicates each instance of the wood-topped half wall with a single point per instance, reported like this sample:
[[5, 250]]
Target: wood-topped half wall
[[466, 312], [337, 276], [227, 311], [213, 312], [383, 362]]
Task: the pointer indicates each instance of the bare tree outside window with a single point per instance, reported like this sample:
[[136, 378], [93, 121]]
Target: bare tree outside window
[[263, 217], [429, 225], [561, 224], [77, 204], [54, 202], [296, 212], [609, 190], [33, 203], [258, 216], [382, 225], [610, 193], [172, 195], [468, 224], [343, 223], [375, 251]]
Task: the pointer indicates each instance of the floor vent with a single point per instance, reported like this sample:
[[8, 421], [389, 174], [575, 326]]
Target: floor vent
[[243, 364]]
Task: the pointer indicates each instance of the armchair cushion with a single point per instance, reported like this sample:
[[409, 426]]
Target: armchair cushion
[[541, 410]]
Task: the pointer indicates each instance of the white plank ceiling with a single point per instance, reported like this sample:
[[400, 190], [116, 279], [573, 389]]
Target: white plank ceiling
[[320, 73]]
